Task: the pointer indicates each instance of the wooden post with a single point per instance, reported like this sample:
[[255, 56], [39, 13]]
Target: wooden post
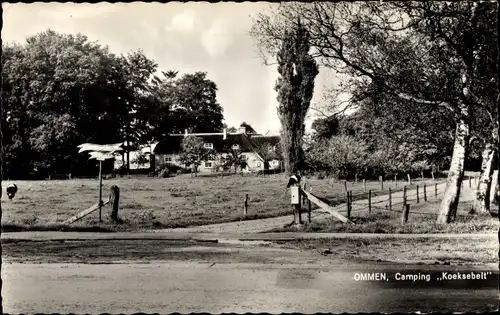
[[425, 192], [390, 199], [409, 179], [347, 202], [349, 207], [100, 191], [246, 205], [435, 190], [418, 197], [309, 208], [298, 209], [470, 182], [381, 179], [370, 201], [404, 196], [404, 215], [364, 184], [304, 197], [114, 199]]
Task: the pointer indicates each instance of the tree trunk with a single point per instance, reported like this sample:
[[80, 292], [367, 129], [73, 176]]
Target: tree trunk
[[292, 148], [494, 188], [482, 201], [128, 158], [448, 207]]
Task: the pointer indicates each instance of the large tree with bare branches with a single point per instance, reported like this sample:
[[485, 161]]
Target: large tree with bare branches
[[427, 53]]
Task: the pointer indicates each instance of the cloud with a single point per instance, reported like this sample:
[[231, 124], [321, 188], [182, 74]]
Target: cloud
[[182, 22], [217, 39]]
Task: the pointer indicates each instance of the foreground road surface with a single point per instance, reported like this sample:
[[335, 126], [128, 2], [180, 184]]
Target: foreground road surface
[[219, 278]]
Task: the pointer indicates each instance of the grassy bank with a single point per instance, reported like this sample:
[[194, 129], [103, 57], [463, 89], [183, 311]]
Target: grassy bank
[[422, 219]]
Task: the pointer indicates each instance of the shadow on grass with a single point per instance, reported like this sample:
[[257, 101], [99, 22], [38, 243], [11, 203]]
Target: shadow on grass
[[13, 227]]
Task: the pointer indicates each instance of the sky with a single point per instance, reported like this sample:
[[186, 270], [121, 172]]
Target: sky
[[187, 37]]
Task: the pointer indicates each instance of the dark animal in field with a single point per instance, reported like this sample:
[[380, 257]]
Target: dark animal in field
[[11, 190]]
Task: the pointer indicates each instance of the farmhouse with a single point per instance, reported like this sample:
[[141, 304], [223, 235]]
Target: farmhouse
[[259, 152]]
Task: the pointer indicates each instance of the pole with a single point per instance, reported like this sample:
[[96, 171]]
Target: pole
[[100, 191], [404, 197], [418, 199], [246, 205], [425, 192], [390, 199], [349, 205], [404, 215], [370, 201]]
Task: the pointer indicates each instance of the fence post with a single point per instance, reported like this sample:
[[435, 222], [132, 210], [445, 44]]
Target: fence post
[[470, 182], [114, 199], [418, 197], [370, 201], [404, 196], [347, 202], [425, 192], [435, 190], [246, 205], [381, 179], [349, 207], [404, 215], [390, 199], [364, 184], [304, 197], [409, 179]]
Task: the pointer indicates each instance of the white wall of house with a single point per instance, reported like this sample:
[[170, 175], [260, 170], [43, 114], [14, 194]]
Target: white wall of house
[[254, 162]]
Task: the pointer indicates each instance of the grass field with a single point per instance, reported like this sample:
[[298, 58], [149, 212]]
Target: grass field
[[180, 201]]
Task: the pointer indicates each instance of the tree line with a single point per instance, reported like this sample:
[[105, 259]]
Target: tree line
[[422, 75], [61, 90]]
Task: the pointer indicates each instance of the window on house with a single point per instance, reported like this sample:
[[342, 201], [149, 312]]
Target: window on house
[[208, 164], [258, 164], [236, 147], [208, 145], [168, 159]]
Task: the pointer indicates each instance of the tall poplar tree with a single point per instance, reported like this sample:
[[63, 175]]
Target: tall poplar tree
[[295, 88]]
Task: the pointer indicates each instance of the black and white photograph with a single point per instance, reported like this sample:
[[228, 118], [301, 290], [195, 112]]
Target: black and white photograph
[[250, 157]]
